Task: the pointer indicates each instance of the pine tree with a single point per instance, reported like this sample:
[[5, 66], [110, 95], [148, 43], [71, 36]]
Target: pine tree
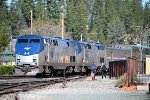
[[77, 17], [126, 15], [98, 20], [53, 9], [26, 7], [113, 22], [22, 26], [111, 11], [147, 14], [115, 30], [69, 18], [13, 19], [137, 11], [39, 10], [3, 25]]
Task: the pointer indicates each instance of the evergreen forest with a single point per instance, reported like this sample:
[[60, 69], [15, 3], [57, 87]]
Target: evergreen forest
[[109, 22]]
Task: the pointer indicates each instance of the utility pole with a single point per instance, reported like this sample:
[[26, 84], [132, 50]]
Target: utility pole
[[10, 43], [141, 49], [31, 22], [81, 37], [62, 21]]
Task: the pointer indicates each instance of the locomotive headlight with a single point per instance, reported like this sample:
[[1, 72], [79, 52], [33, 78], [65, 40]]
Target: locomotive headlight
[[34, 56], [18, 56], [34, 60], [18, 60]]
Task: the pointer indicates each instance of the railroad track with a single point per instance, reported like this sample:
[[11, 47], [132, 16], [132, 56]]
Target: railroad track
[[6, 88], [15, 77]]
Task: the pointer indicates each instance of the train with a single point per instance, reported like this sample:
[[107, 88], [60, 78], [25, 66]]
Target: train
[[42, 55]]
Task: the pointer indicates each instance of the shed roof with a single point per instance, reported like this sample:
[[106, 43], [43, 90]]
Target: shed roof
[[7, 52], [7, 58]]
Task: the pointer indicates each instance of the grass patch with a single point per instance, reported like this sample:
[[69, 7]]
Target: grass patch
[[121, 80], [136, 80], [6, 70]]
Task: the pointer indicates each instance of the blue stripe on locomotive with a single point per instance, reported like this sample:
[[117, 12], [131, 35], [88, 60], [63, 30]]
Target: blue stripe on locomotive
[[74, 43], [27, 49], [79, 49], [98, 45]]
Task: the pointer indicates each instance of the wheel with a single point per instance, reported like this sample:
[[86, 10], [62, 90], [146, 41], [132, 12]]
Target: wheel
[[98, 71], [81, 70], [38, 75], [86, 70], [73, 71], [51, 70]]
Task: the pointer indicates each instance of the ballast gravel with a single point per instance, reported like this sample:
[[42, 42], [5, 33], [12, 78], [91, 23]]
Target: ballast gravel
[[85, 89]]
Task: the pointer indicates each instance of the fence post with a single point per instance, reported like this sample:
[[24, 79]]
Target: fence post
[[131, 69], [64, 80], [149, 88]]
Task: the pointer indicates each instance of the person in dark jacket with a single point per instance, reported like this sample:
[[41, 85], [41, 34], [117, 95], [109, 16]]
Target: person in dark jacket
[[104, 70], [93, 71]]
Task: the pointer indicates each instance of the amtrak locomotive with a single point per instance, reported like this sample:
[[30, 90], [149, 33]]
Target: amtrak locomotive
[[41, 55]]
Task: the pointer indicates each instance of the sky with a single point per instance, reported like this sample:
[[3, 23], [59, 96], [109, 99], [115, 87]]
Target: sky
[[145, 1]]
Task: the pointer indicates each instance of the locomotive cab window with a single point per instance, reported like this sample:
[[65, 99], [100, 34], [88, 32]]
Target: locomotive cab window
[[35, 41], [23, 41], [55, 42]]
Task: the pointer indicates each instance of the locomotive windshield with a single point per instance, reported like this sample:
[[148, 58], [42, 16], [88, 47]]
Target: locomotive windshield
[[23, 41], [35, 41]]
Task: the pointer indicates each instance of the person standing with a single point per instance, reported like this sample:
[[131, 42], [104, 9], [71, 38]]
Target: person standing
[[93, 71], [104, 70]]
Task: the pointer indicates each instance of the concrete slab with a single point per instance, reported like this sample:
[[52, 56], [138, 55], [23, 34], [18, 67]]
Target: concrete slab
[[142, 87]]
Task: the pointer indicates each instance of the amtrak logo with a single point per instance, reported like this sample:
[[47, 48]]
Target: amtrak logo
[[27, 48], [26, 53]]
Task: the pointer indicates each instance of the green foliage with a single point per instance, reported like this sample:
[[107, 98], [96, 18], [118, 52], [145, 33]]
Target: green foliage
[[7, 70], [3, 25], [26, 6], [76, 17], [147, 14], [126, 15], [136, 80], [111, 11], [13, 19], [121, 80], [98, 21], [39, 9], [137, 12], [115, 29], [105, 19], [4, 40], [53, 9]]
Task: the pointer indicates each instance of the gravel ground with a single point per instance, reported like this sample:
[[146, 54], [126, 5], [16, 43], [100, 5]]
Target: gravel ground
[[86, 89]]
